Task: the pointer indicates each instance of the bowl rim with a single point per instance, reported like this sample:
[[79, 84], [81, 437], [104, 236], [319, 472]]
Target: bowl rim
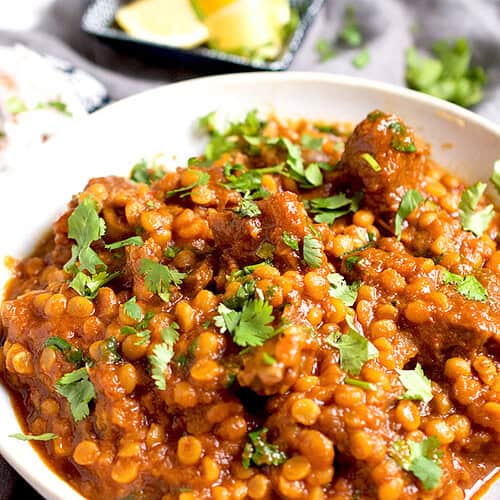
[[309, 78]]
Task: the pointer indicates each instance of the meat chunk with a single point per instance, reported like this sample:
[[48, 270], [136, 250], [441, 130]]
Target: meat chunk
[[399, 153], [238, 239]]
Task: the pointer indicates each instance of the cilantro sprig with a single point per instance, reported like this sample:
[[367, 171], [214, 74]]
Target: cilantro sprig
[[146, 173], [312, 250], [203, 179], [78, 390], [475, 221], [259, 452], [72, 354]]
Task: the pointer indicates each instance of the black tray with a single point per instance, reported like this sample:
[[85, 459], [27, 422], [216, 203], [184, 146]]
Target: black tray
[[99, 20]]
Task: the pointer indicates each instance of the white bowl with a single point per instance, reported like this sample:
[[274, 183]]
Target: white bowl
[[163, 120]]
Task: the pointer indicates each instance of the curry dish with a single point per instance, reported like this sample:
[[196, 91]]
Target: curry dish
[[300, 313]]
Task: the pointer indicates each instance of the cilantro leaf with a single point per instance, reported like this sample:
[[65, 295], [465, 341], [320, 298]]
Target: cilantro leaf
[[329, 209], [351, 261], [290, 241], [309, 142], [410, 201], [476, 222], [133, 240], [109, 351], [355, 350], [15, 105], [48, 436], [268, 359], [57, 343], [495, 177], [324, 50], [247, 208], [85, 226], [417, 385], [361, 59], [158, 278], [351, 32], [372, 162], [203, 179], [312, 251], [171, 251], [468, 286], [142, 172], [341, 290], [72, 354], [448, 75], [259, 452], [88, 286], [162, 355], [78, 390], [132, 309], [250, 326], [421, 458]]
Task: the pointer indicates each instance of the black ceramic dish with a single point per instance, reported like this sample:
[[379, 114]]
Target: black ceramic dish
[[98, 20]]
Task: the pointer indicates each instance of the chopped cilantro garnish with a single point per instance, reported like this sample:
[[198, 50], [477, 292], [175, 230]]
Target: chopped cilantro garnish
[[476, 222], [290, 241], [158, 278], [248, 182], [133, 240], [48, 436], [341, 290], [417, 385], [15, 105], [324, 50], [309, 142], [410, 201], [132, 309], [355, 350], [109, 351], [351, 32], [361, 59], [372, 162], [163, 354], [351, 261], [312, 251], [468, 286], [72, 354], [88, 286], [329, 209], [78, 390], [60, 106], [421, 458], [203, 179], [265, 251], [249, 327], [268, 359], [495, 177], [247, 207], [171, 251], [448, 75], [140, 330], [142, 172], [259, 452], [367, 386], [85, 227]]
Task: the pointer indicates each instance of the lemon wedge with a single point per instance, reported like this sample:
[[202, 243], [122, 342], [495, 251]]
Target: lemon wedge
[[168, 22], [206, 7], [249, 27]]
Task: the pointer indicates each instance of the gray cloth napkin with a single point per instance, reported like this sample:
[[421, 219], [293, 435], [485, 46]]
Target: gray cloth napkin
[[390, 26]]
